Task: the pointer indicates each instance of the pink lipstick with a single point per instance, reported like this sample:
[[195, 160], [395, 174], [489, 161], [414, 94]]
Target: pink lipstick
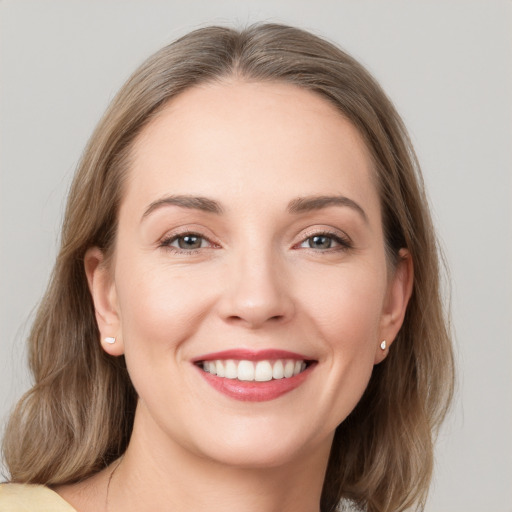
[[254, 375]]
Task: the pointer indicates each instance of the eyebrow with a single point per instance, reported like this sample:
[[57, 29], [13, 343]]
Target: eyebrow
[[185, 201], [295, 206], [307, 204]]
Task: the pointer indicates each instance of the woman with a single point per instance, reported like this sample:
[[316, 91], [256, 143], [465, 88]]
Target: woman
[[245, 312]]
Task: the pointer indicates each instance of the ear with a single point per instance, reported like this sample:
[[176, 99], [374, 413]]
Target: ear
[[104, 296], [395, 305]]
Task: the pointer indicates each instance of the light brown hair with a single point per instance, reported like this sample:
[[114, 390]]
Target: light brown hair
[[78, 416]]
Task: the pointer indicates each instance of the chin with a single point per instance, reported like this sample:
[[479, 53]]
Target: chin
[[257, 456], [263, 445]]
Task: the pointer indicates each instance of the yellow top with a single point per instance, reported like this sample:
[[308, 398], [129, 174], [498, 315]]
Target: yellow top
[[31, 498]]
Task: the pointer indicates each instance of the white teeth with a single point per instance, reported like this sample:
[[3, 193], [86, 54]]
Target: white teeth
[[261, 371], [220, 369], [288, 369], [246, 370], [231, 369], [278, 370]]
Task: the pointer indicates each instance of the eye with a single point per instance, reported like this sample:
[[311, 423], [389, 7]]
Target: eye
[[186, 242], [319, 242], [189, 242], [325, 241]]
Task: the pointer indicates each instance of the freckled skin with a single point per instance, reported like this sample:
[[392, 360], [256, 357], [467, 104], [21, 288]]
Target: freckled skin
[[255, 282]]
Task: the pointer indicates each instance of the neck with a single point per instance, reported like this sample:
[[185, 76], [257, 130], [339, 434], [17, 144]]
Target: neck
[[157, 474]]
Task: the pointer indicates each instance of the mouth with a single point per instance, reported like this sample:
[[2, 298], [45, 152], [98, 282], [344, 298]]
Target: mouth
[[255, 371], [254, 376]]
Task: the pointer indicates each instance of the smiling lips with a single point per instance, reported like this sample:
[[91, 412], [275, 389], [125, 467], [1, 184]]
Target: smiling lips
[[254, 376], [261, 371]]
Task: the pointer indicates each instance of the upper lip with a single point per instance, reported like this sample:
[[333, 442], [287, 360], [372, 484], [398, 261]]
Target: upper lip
[[251, 355]]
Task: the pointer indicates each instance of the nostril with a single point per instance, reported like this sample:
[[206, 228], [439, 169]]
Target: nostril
[[253, 306], [253, 320]]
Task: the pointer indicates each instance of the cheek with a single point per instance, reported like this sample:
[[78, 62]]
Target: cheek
[[160, 306], [339, 312], [348, 307]]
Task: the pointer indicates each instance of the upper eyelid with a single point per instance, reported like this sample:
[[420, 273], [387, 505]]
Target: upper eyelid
[[299, 238], [187, 230], [340, 241], [328, 231], [206, 241], [174, 236], [166, 243]]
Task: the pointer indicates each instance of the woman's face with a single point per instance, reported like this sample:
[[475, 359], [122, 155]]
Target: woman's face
[[249, 288]]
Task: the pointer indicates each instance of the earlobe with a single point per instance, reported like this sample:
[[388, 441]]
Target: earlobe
[[397, 298], [102, 289]]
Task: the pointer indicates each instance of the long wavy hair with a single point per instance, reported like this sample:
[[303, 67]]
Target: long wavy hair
[[78, 416]]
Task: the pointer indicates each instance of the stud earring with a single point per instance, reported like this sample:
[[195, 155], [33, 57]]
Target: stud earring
[[110, 340], [383, 345]]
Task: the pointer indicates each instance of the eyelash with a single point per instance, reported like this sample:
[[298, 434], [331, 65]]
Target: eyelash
[[167, 242], [343, 242]]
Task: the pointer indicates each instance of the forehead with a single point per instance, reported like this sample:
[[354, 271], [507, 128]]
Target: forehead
[[243, 138]]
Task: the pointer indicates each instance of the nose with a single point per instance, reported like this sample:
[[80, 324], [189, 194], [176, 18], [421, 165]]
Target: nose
[[257, 292]]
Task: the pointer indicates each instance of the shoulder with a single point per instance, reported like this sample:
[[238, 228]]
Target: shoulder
[[31, 498]]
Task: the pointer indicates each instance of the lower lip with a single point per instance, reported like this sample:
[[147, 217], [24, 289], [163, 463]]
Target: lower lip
[[252, 391]]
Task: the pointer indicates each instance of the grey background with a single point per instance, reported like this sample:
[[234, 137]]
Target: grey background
[[447, 65]]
